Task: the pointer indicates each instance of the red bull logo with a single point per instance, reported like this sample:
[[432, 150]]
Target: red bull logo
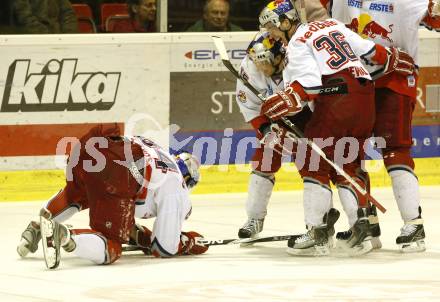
[[368, 28], [280, 6]]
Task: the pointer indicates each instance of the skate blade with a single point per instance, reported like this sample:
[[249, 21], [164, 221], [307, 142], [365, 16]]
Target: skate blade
[[244, 241], [22, 248], [51, 254], [358, 250], [413, 247], [314, 251]]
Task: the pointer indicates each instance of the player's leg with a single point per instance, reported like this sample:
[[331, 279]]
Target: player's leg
[[262, 180], [60, 207], [358, 239], [329, 121], [394, 118], [84, 243], [261, 183], [317, 195]]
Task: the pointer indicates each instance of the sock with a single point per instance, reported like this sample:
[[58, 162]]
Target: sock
[[406, 193]]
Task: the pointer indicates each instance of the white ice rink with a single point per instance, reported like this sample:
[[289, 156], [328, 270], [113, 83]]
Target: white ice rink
[[230, 273]]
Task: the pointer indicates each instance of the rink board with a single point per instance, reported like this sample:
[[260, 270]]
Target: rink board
[[169, 87]]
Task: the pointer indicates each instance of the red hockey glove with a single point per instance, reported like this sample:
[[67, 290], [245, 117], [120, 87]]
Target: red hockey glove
[[283, 103], [280, 139], [399, 61], [189, 244], [393, 59]]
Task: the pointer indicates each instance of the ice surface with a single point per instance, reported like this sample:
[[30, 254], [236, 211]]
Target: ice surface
[[263, 272]]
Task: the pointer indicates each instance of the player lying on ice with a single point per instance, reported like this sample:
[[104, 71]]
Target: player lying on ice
[[116, 178], [325, 53]]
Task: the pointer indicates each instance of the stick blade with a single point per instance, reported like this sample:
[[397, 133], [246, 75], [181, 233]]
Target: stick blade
[[220, 45]]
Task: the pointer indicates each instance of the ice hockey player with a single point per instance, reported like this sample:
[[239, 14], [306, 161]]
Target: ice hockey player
[[394, 24], [326, 53], [115, 177], [262, 67]]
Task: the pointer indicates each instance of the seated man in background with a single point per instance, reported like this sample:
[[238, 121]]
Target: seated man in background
[[44, 16], [117, 177], [215, 18], [142, 17]]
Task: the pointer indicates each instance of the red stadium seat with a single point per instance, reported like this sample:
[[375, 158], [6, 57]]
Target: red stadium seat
[[112, 9], [116, 20], [85, 18]]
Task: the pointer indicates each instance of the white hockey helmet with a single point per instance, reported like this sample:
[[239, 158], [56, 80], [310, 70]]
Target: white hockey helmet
[[189, 166], [264, 48], [278, 9]]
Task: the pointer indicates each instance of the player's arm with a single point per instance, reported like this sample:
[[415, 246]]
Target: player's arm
[[432, 18], [393, 59], [301, 71]]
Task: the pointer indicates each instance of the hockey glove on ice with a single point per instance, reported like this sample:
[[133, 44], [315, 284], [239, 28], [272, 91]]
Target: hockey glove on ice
[[189, 244]]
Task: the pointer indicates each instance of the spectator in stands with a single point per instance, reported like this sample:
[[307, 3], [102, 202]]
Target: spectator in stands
[[215, 18], [142, 17], [44, 16]]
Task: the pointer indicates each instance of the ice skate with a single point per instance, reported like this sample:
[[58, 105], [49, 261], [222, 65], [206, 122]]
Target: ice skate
[[412, 236], [374, 229], [29, 239], [54, 235], [357, 240], [250, 229], [313, 243]]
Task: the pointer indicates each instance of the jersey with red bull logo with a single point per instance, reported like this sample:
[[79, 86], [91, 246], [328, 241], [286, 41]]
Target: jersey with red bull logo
[[388, 23], [323, 48], [248, 102]]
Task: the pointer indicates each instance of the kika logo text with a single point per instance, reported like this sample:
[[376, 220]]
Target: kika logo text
[[57, 87]]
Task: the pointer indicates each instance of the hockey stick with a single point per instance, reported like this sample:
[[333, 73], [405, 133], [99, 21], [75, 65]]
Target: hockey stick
[[332, 218], [205, 242], [220, 45], [131, 248], [269, 239]]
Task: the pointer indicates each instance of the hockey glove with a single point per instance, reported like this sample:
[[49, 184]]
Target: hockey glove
[[283, 103], [393, 59], [189, 244], [279, 138], [399, 61]]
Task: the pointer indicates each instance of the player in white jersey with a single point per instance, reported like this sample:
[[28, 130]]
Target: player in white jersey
[[394, 23], [319, 54], [116, 177], [262, 67]]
